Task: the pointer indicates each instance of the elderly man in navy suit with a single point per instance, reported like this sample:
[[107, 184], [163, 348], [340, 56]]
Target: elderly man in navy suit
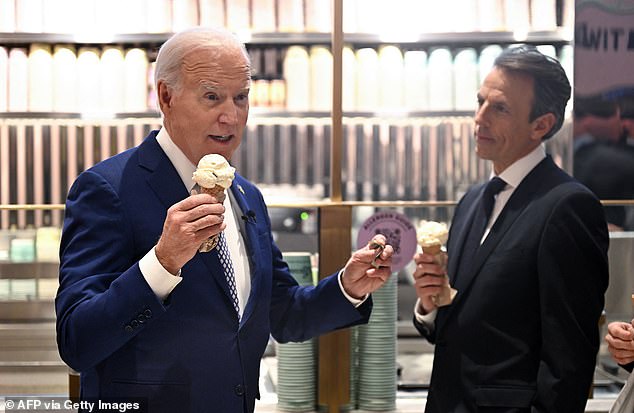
[[527, 254], [144, 316]]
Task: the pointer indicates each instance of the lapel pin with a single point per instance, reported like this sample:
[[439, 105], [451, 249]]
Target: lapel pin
[[240, 189]]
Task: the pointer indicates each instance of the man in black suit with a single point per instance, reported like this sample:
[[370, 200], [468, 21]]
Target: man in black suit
[[521, 335]]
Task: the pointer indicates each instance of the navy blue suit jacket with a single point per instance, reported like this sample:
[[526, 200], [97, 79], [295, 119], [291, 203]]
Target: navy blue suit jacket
[[187, 354], [522, 333]]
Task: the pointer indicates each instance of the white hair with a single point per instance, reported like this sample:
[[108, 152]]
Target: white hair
[[173, 51]]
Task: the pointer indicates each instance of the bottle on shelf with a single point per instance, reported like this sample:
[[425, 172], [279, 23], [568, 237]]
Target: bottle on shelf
[[367, 79], [263, 16], [415, 80], [4, 79], [465, 79], [18, 80], [440, 80], [390, 77], [64, 78]]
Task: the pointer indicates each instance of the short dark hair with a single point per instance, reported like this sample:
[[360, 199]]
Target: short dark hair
[[551, 88]]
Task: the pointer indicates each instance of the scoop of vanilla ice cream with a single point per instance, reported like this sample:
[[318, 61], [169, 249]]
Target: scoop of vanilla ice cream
[[432, 233], [212, 170]]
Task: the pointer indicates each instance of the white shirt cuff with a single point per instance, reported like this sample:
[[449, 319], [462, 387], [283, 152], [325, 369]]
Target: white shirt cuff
[[428, 320], [161, 281], [354, 301]]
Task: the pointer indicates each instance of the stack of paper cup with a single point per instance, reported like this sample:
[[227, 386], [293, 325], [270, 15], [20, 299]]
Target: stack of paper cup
[[296, 362], [377, 352]]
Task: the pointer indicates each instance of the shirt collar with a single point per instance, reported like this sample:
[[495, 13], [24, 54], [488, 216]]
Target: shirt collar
[[183, 166], [514, 174]]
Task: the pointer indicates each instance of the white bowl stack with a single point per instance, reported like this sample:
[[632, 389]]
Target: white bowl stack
[[297, 362], [377, 352], [354, 370]]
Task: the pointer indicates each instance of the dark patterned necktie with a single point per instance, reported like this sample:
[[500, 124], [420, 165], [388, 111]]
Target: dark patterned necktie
[[480, 219], [227, 265]]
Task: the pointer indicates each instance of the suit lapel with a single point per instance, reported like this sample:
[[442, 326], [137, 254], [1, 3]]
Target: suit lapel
[[457, 238], [248, 228], [162, 178], [461, 231], [211, 260]]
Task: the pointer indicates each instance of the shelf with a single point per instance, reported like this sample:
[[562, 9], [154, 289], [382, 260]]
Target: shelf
[[68, 115], [154, 38], [27, 311], [28, 270], [561, 35], [254, 113]]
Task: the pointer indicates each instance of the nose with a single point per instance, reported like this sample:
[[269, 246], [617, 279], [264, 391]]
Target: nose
[[480, 114], [228, 114]]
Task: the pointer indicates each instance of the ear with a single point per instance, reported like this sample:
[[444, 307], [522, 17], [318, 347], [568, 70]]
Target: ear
[[164, 95], [542, 125]]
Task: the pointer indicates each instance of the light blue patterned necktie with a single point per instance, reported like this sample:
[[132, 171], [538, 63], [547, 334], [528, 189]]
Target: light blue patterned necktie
[[225, 261]]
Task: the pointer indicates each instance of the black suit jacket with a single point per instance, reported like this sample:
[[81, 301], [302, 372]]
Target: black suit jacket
[[522, 333]]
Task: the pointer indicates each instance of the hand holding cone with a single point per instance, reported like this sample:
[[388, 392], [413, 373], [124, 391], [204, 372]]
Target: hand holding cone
[[431, 237]]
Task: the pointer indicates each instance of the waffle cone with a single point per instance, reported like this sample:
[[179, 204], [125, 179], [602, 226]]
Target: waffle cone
[[446, 295], [217, 192], [432, 249]]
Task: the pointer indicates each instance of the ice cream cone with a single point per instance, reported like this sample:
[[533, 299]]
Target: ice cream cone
[[213, 176], [431, 236]]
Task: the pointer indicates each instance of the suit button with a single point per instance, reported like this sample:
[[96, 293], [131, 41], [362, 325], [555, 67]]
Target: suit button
[[239, 389], [147, 313], [140, 318], [134, 323], [128, 328]]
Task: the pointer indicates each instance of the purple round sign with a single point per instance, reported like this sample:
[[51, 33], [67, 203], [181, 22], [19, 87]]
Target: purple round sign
[[399, 232]]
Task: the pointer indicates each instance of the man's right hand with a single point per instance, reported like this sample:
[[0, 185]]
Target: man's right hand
[[620, 339], [188, 223], [429, 279]]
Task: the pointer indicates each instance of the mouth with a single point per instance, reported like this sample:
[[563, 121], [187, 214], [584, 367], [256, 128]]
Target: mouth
[[221, 138], [479, 136]]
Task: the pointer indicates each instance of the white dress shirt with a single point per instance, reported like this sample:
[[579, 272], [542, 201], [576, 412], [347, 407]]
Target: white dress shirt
[[513, 176], [159, 279]]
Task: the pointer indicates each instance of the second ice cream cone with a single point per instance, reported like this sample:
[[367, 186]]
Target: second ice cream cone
[[431, 236], [433, 249], [447, 294]]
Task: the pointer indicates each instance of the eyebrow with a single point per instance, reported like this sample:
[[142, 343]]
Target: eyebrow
[[209, 86]]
